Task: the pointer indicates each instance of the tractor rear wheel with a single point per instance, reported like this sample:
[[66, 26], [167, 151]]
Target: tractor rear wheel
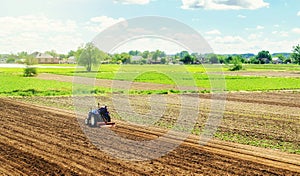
[[93, 121]]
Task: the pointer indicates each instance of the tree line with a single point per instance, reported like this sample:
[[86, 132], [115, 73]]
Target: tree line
[[89, 55]]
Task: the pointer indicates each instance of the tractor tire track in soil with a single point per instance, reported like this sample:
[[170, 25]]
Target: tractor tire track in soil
[[36, 140]]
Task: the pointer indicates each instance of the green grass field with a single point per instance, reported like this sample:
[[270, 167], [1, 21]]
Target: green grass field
[[272, 67], [12, 82], [17, 85]]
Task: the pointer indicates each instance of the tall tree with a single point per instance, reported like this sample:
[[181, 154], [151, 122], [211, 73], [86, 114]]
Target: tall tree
[[281, 57], [52, 53], [228, 60], [71, 53], [155, 55], [296, 54], [162, 54], [62, 56], [237, 64], [145, 54], [188, 59], [125, 58], [90, 56], [134, 53], [264, 57], [240, 58], [182, 54], [30, 60], [22, 55], [221, 59], [213, 59]]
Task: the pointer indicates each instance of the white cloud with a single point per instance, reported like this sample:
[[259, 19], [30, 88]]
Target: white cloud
[[98, 24], [227, 44], [213, 32], [284, 34], [229, 40], [280, 33], [240, 46], [259, 27], [255, 36], [38, 33], [139, 2], [298, 14], [276, 25], [66, 42], [296, 30], [36, 23], [241, 16], [224, 4], [105, 20]]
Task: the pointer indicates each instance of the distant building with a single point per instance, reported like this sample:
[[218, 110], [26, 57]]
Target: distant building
[[264, 60], [3, 60], [276, 60], [46, 59], [157, 61], [136, 58], [71, 60]]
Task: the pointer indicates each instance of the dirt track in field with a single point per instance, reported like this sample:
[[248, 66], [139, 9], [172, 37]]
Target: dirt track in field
[[41, 140]]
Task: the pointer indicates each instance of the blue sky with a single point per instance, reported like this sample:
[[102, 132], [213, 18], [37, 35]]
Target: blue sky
[[229, 26]]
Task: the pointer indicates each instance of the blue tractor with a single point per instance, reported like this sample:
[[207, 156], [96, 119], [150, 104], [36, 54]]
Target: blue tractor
[[99, 118]]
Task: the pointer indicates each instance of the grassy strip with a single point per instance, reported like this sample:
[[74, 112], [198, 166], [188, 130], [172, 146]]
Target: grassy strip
[[14, 85], [271, 67], [180, 75], [238, 83], [17, 85], [253, 141], [244, 139]]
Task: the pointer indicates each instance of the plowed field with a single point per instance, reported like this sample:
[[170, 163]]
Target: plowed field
[[37, 140]]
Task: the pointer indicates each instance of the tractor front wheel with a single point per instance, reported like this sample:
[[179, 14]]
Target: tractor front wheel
[[86, 121]]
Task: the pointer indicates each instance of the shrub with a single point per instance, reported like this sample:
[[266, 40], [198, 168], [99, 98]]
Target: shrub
[[30, 71], [237, 65]]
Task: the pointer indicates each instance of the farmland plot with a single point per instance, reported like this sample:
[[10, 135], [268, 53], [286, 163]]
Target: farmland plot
[[42, 140], [269, 120]]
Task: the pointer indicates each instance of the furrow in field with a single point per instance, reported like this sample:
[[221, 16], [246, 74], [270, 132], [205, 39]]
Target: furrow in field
[[59, 149]]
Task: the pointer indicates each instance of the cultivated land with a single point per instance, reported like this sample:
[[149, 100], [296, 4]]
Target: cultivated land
[[40, 140], [258, 134]]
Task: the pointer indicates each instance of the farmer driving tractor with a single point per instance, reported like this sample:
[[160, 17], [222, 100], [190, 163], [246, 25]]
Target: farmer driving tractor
[[104, 112]]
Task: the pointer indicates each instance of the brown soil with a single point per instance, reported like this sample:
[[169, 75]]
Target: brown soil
[[37, 140], [260, 116]]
